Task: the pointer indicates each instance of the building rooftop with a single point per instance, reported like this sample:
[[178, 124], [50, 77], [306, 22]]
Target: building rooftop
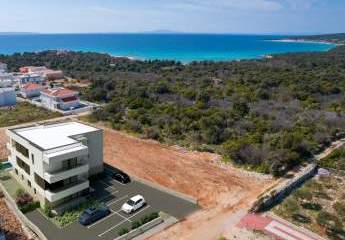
[[54, 135], [59, 92], [31, 86]]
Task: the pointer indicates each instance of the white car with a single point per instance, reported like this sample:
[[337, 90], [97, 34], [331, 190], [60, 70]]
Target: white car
[[133, 204]]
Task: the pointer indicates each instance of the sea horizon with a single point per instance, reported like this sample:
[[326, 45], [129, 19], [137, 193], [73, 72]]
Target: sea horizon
[[184, 47]]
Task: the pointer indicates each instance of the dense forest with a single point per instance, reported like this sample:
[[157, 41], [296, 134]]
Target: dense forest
[[268, 114]]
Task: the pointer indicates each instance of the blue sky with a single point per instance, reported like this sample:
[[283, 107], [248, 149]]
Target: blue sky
[[212, 16]]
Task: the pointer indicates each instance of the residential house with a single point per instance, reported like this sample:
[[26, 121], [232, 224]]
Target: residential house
[[31, 90], [3, 67], [7, 80], [54, 161], [30, 77], [45, 72], [60, 99], [7, 97]]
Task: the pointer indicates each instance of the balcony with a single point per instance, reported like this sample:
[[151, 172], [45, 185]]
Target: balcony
[[60, 193], [66, 152], [52, 177]]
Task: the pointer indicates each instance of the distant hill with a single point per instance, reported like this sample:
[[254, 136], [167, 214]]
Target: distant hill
[[17, 33]]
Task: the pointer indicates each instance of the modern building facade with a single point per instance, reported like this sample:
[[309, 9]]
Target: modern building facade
[[7, 97], [60, 99], [53, 162]]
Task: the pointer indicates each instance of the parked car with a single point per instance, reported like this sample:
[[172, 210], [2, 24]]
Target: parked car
[[121, 177], [92, 215], [133, 204]]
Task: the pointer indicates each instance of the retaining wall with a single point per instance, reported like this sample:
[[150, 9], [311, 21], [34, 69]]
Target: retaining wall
[[277, 194], [25, 221]]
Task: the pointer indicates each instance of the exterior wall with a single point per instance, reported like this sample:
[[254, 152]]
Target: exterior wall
[[31, 93], [47, 101], [36, 166], [51, 170], [95, 145], [7, 98]]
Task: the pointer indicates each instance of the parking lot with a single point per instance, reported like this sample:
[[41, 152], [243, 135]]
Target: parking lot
[[114, 195]]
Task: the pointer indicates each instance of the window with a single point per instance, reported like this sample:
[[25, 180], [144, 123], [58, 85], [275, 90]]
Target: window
[[32, 158], [22, 177], [23, 165], [40, 181], [29, 183], [16, 170], [70, 163], [35, 191], [23, 150]]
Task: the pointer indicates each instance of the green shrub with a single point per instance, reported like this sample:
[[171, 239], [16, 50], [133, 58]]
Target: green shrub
[[328, 220], [301, 218], [304, 194], [339, 208], [19, 192], [136, 224], [123, 231], [30, 207], [47, 210], [312, 206]]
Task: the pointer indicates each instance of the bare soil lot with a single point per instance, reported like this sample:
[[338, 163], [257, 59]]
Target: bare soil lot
[[221, 190]]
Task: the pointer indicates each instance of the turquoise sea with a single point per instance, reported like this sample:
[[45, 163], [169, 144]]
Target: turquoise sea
[[182, 47]]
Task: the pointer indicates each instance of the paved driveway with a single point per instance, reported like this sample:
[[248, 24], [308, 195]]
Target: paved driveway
[[114, 194]]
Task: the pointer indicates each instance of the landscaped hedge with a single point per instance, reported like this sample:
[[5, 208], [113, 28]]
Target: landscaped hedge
[[25, 201], [138, 224]]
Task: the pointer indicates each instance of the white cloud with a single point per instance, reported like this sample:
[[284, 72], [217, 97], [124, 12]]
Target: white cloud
[[302, 5], [248, 5]]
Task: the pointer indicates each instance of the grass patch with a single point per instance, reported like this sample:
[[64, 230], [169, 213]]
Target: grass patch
[[24, 112]]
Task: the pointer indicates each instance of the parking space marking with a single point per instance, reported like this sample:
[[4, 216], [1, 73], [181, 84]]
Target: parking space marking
[[100, 235], [118, 213], [111, 193], [117, 200], [117, 182], [146, 207], [101, 220], [123, 221], [106, 184]]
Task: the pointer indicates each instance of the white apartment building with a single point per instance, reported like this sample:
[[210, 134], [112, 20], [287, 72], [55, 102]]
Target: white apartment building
[[54, 161]]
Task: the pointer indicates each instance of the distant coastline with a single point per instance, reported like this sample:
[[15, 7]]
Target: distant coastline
[[291, 40], [185, 48]]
